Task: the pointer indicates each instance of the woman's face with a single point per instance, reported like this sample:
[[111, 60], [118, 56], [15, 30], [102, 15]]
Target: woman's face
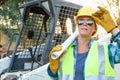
[[86, 26]]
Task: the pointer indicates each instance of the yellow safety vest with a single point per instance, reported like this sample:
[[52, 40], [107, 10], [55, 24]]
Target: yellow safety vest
[[97, 65]]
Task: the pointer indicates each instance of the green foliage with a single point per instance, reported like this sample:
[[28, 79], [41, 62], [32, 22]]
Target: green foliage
[[9, 11]]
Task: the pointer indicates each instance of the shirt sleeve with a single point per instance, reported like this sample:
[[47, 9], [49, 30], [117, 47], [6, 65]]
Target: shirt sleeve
[[52, 75], [115, 48]]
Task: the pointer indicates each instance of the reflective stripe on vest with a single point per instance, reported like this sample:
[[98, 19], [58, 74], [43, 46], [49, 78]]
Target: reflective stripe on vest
[[66, 71], [97, 65]]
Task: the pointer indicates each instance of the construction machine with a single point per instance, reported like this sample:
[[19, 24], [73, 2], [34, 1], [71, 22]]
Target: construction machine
[[43, 25]]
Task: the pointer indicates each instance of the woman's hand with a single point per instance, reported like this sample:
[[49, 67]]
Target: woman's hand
[[103, 17]]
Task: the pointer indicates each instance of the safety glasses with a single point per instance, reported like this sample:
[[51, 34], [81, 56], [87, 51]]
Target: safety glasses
[[88, 22]]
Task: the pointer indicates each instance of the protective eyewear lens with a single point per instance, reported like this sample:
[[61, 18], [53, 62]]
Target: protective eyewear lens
[[88, 22]]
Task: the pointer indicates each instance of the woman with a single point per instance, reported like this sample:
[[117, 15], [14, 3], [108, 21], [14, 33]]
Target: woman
[[86, 59]]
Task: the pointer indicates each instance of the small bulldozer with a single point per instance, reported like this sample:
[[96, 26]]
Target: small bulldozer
[[43, 25]]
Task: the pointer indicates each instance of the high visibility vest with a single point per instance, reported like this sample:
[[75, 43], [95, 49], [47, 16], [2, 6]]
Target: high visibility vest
[[97, 64]]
